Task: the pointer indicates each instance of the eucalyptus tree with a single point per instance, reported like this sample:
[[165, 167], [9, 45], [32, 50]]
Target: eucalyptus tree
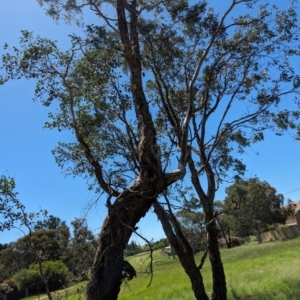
[[259, 206], [82, 248], [60, 230], [156, 87], [193, 228]]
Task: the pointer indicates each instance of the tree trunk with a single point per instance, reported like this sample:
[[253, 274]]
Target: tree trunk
[[183, 250], [109, 268], [218, 274], [207, 199]]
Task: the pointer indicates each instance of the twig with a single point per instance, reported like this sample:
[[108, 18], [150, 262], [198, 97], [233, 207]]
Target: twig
[[203, 259]]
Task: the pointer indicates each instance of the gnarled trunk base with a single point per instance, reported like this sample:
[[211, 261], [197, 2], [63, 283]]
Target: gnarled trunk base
[[109, 268]]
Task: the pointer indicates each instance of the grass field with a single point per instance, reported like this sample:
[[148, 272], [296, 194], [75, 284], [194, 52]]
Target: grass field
[[263, 272], [269, 271]]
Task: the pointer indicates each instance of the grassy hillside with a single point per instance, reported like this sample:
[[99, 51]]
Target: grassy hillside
[[267, 271]]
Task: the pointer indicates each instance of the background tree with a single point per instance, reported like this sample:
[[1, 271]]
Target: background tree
[[56, 272], [160, 80], [13, 214], [14, 258], [82, 248], [258, 204], [132, 249], [192, 222], [61, 231], [8, 263], [52, 244]]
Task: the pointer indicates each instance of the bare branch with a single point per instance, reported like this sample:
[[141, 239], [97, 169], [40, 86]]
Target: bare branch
[[150, 7], [203, 259], [105, 18]]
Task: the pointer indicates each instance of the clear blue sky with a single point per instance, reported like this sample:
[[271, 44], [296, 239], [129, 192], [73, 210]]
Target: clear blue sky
[[25, 151]]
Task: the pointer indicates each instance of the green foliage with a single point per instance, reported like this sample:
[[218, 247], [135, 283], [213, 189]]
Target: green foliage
[[132, 249], [56, 233], [154, 245], [56, 272], [82, 248], [50, 244], [253, 206], [29, 278], [161, 244], [13, 258], [193, 226], [92, 78]]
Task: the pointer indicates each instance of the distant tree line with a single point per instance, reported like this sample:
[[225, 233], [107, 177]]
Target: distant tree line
[[66, 253]]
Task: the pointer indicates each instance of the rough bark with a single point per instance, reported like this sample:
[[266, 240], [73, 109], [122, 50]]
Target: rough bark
[[206, 199], [109, 267], [218, 274], [183, 250]]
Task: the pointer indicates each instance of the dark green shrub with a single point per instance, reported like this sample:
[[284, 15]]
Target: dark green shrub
[[29, 278], [56, 273]]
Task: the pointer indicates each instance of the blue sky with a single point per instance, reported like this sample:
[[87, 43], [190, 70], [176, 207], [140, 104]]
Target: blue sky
[[25, 151]]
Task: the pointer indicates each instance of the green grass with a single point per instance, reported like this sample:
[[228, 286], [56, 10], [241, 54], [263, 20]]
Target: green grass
[[269, 271], [76, 292]]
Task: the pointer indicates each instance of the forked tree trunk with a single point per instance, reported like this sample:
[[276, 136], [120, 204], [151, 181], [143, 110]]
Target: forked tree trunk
[[218, 274], [109, 267], [183, 250]]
